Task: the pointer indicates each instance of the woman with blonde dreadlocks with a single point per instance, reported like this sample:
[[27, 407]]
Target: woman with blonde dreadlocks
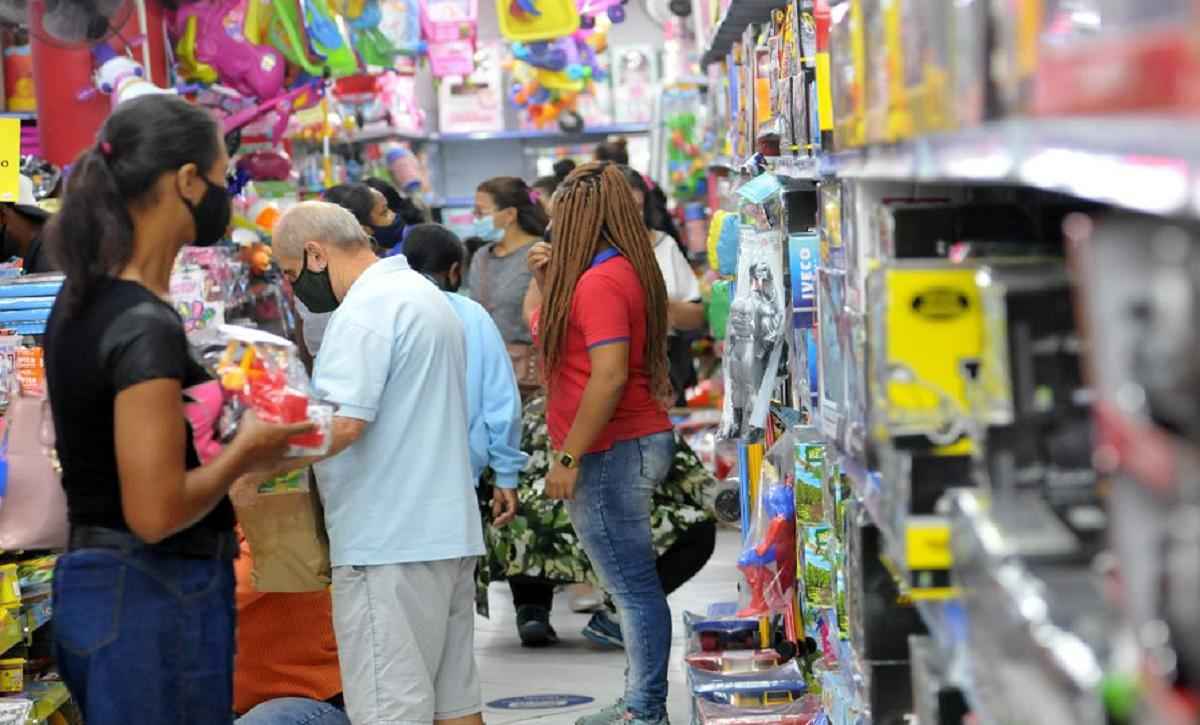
[[602, 329]]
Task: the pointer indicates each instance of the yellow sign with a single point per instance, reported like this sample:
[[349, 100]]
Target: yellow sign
[[10, 159]]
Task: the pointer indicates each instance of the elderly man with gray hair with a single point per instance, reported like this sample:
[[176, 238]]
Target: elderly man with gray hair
[[400, 505]]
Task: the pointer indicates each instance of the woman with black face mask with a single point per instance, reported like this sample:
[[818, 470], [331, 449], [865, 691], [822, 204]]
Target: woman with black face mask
[[143, 598], [371, 209]]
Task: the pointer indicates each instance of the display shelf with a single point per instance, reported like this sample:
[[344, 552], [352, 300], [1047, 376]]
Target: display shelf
[[592, 132], [805, 168], [1149, 165], [384, 134], [733, 22], [1034, 619], [20, 115]]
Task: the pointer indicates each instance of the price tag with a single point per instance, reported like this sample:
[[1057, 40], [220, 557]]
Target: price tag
[[10, 159]]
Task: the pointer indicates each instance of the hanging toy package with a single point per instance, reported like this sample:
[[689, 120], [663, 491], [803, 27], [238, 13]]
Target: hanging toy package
[[754, 345], [768, 563], [262, 372]]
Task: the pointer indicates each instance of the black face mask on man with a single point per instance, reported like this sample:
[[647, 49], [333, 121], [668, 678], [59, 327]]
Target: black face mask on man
[[211, 215], [315, 289]]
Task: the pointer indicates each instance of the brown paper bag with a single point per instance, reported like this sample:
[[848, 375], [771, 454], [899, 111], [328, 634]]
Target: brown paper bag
[[285, 528]]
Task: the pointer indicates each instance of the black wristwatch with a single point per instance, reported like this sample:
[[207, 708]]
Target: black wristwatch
[[566, 460]]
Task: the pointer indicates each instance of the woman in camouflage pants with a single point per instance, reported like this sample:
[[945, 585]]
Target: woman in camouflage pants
[[539, 550]]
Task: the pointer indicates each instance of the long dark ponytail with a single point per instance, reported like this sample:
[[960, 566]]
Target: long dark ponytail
[[91, 237], [512, 191]]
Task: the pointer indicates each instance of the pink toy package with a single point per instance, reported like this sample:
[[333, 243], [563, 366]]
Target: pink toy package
[[454, 58], [444, 21]]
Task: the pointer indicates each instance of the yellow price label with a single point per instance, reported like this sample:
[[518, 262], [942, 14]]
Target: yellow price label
[[10, 159], [927, 545]]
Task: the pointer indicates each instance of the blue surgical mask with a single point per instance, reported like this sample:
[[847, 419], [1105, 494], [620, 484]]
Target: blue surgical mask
[[486, 229]]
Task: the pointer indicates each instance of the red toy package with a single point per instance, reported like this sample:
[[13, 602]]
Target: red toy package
[[1124, 56], [261, 372]]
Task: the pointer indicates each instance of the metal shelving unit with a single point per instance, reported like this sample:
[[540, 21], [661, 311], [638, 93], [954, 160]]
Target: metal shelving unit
[[733, 21], [1150, 165]]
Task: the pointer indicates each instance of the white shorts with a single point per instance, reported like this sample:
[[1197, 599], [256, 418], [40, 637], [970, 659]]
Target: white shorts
[[406, 641]]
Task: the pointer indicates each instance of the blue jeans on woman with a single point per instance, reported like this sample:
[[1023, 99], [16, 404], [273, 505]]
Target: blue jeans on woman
[[294, 711], [143, 637], [611, 515]]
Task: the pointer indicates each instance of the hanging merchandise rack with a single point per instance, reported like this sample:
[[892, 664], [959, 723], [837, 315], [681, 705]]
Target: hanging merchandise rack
[[1000, 387]]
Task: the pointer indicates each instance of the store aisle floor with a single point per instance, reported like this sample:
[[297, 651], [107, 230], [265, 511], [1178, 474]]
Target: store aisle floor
[[574, 667]]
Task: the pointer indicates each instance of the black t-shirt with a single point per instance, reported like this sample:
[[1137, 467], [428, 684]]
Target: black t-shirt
[[37, 261], [125, 336]]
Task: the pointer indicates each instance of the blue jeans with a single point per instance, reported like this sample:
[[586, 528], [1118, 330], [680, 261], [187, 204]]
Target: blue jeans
[[294, 711], [611, 514], [142, 637]]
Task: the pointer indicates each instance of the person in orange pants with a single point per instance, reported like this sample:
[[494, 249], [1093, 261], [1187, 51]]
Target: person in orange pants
[[286, 671]]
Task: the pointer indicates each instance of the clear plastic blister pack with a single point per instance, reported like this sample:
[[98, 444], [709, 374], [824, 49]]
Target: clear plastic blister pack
[[262, 372], [768, 563], [800, 711], [755, 334], [720, 630], [749, 688]]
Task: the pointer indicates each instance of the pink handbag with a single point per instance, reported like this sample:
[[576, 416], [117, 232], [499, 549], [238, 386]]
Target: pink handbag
[[33, 511]]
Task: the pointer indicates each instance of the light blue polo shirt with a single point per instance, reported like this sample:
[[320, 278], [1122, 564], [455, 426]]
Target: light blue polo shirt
[[394, 355]]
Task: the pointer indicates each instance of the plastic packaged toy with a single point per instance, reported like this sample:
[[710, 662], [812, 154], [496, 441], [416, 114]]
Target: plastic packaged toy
[[780, 684], [742, 660], [848, 62], [769, 561], [755, 337], [721, 630], [262, 372], [928, 334], [810, 477], [728, 237], [831, 358], [401, 24], [801, 711]]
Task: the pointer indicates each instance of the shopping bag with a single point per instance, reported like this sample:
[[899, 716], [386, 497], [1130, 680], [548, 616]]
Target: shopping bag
[[34, 510], [284, 525]]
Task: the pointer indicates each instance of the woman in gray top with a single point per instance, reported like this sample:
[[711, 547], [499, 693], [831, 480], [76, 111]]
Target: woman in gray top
[[509, 218]]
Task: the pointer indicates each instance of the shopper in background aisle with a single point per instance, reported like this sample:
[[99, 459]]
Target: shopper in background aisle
[[685, 306], [370, 208], [143, 598], [545, 186], [509, 219], [493, 401], [507, 216], [602, 330], [400, 504], [615, 150], [286, 671], [21, 226], [407, 215]]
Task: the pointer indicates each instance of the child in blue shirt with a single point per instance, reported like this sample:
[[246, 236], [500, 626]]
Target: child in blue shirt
[[493, 400]]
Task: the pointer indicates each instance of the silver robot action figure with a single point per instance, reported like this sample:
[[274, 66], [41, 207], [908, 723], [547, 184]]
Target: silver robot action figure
[[755, 327]]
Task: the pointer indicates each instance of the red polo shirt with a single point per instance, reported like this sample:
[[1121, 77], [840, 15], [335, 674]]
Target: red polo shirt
[[608, 307]]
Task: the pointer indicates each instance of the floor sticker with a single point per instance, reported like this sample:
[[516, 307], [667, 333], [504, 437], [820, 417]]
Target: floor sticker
[[539, 702]]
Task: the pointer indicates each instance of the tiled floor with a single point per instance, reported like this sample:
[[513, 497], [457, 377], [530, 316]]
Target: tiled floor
[[576, 667]]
